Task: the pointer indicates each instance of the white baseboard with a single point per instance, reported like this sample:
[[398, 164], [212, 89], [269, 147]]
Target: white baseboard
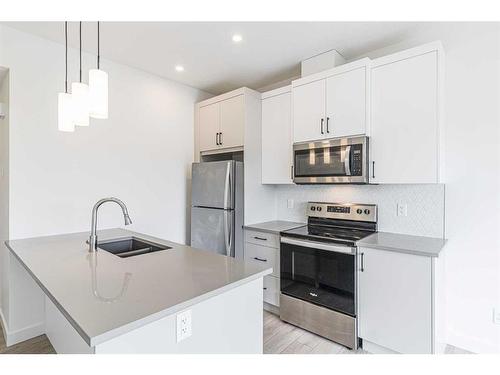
[[373, 348], [271, 308], [471, 344], [14, 337]]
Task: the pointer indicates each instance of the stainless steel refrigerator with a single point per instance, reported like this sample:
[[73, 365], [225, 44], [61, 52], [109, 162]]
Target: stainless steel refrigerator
[[217, 207]]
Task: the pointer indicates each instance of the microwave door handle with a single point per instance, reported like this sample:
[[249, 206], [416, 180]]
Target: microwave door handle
[[347, 161]]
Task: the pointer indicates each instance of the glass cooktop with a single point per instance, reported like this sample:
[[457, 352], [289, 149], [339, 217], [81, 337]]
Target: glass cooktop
[[328, 233]]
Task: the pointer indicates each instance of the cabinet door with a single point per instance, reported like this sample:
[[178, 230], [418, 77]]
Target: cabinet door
[[309, 111], [404, 121], [209, 119], [346, 103], [395, 295], [232, 121], [276, 139]]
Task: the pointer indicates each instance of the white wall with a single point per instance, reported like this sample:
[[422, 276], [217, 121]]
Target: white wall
[[4, 183], [141, 154]]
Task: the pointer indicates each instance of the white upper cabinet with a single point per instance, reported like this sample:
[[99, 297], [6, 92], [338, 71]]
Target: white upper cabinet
[[276, 137], [346, 99], [221, 122], [232, 121], [331, 104], [209, 119], [405, 142], [309, 111]]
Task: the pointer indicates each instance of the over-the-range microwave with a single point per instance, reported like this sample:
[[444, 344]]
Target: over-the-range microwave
[[331, 161]]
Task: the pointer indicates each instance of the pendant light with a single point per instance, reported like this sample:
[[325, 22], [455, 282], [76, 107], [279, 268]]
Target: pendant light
[[65, 101], [98, 87], [80, 92]]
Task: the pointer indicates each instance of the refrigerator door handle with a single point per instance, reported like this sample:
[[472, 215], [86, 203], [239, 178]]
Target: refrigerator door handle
[[228, 233], [227, 188]]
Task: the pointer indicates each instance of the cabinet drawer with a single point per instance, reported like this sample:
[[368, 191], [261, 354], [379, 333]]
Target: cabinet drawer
[[262, 238], [263, 255], [272, 290]]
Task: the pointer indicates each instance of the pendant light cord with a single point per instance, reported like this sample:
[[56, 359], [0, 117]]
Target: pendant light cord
[[80, 51], [66, 56], [98, 47]]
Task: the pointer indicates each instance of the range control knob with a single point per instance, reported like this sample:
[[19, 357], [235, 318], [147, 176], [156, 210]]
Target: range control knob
[[313, 208], [318, 208], [359, 211], [367, 211]]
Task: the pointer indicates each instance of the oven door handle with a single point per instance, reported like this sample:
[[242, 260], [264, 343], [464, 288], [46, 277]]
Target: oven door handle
[[347, 161], [319, 245]]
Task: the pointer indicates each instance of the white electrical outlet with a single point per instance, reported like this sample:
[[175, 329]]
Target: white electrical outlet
[[184, 329], [496, 316], [289, 203], [402, 209]]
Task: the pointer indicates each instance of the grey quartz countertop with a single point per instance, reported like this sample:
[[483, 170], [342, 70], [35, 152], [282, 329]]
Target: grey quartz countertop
[[275, 227], [104, 296], [402, 243]]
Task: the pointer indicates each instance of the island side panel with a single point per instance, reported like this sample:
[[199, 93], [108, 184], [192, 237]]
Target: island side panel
[[63, 337], [23, 311], [231, 322]]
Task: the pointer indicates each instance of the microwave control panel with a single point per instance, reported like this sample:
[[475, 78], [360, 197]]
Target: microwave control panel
[[357, 160]]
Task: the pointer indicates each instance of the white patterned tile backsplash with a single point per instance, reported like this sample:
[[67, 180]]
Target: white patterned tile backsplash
[[425, 216]]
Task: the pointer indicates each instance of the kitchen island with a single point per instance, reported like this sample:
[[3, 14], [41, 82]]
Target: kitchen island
[[178, 300]]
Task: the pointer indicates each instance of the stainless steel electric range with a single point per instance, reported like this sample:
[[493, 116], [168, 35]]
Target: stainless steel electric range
[[318, 269]]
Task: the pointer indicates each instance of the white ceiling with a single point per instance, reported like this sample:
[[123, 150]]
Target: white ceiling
[[270, 51]]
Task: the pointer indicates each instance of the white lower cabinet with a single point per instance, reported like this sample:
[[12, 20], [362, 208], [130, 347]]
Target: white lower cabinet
[[272, 290], [395, 308], [264, 247], [263, 255]]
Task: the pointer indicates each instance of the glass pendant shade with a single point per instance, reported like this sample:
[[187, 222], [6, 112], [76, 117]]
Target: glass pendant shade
[[80, 93], [65, 112], [98, 91]]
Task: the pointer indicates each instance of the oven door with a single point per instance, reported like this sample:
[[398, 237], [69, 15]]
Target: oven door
[[320, 273], [333, 161]]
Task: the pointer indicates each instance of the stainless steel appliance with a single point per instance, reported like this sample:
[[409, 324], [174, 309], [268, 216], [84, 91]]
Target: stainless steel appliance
[[318, 269], [217, 207], [331, 161]]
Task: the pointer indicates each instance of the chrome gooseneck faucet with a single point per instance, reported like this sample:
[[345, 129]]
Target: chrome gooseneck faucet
[[93, 230]]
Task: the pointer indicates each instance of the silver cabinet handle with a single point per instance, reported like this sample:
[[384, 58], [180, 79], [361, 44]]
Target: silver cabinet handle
[[291, 172], [322, 121], [327, 128], [217, 139], [373, 169], [221, 140], [260, 259], [362, 262], [261, 238]]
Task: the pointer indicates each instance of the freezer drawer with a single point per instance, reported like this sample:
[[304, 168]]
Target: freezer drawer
[[213, 229]]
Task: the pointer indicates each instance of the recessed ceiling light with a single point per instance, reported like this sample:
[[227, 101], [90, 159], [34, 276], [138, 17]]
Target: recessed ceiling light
[[179, 68], [237, 38]]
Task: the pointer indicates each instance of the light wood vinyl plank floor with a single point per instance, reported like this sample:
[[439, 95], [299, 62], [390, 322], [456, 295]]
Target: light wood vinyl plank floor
[[279, 338], [36, 345], [284, 338]]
